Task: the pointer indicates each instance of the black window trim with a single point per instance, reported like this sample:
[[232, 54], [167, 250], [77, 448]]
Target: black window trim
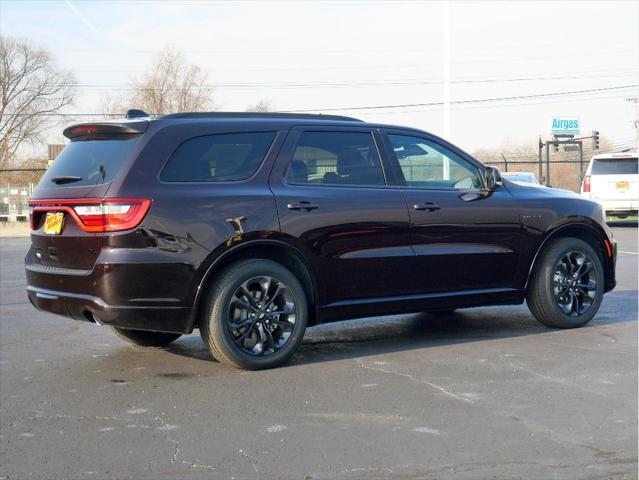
[[394, 162], [298, 131], [274, 142]]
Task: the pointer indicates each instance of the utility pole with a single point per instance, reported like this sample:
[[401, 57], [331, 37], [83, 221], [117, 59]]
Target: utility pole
[[635, 100], [446, 55]]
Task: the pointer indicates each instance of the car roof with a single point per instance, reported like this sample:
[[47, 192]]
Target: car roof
[[284, 119], [620, 156]]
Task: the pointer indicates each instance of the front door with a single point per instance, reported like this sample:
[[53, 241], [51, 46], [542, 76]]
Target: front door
[[333, 202], [464, 237]]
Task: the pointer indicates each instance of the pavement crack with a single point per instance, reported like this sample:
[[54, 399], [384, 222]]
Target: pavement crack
[[416, 380], [249, 458]]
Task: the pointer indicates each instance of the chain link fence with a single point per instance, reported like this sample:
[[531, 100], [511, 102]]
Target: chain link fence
[[16, 187]]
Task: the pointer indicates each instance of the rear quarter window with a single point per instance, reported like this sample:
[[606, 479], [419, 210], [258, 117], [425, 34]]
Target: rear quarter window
[[223, 157], [615, 166], [90, 162]]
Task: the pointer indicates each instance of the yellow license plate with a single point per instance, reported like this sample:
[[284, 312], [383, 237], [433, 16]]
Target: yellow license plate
[[623, 185], [53, 223]]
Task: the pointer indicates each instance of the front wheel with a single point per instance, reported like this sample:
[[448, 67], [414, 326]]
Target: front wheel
[[144, 338], [566, 286], [255, 315]]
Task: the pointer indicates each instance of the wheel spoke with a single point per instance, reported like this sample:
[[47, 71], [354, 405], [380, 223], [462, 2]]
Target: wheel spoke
[[269, 337], [277, 293], [243, 303], [284, 324], [265, 287], [243, 291], [590, 286], [574, 304], [583, 269], [238, 325]]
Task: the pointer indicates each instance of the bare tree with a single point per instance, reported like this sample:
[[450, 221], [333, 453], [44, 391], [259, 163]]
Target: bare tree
[[172, 85], [32, 91], [261, 106], [113, 106]]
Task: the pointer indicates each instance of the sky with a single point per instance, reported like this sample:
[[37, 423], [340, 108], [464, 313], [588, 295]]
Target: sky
[[346, 56]]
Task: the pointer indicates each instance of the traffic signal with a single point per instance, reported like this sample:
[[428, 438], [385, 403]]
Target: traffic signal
[[595, 140], [556, 144]]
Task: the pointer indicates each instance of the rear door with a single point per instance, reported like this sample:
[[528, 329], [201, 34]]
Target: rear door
[[80, 175], [333, 202], [614, 179], [464, 237]]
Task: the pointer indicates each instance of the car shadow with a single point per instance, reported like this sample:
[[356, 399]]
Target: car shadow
[[378, 335]]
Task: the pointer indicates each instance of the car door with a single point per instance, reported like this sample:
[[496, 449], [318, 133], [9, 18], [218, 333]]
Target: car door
[[464, 237], [334, 204]]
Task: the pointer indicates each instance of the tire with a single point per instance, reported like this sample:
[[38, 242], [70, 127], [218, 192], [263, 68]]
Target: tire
[[241, 297], [145, 338], [552, 297]]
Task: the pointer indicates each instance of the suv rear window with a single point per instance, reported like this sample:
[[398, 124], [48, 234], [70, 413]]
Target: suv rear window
[[224, 157], [615, 166], [89, 162]]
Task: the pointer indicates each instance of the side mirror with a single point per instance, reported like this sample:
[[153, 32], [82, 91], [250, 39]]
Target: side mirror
[[493, 177]]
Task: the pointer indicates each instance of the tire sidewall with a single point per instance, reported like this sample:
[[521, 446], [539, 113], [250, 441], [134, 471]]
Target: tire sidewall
[[547, 272], [219, 312]]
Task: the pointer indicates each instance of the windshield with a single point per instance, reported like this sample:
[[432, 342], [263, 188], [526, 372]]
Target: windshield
[[520, 177], [89, 162], [615, 166]]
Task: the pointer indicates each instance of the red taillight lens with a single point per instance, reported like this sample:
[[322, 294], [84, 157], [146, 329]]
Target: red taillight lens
[[84, 130], [95, 215], [585, 187], [112, 215], [31, 218]]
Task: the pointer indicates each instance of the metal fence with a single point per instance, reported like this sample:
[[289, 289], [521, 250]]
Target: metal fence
[[16, 187], [566, 174]]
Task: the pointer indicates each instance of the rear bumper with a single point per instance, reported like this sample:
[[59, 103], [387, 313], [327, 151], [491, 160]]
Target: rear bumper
[[94, 309], [125, 288], [628, 206]]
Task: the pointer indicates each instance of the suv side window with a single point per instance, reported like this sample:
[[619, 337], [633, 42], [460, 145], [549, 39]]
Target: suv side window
[[223, 157], [426, 164], [336, 158]]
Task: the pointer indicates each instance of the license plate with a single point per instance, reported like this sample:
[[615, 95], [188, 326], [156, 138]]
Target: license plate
[[53, 223], [622, 185]]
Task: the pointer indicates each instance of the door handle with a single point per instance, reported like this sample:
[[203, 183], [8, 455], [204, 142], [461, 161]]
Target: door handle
[[303, 205], [430, 206]]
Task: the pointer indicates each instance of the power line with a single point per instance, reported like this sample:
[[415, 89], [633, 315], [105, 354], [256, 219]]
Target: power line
[[462, 102], [385, 107], [347, 83]]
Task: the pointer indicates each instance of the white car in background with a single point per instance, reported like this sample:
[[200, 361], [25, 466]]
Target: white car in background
[[527, 179], [612, 179]]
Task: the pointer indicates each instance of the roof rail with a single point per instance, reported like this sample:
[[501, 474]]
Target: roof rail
[[308, 116]]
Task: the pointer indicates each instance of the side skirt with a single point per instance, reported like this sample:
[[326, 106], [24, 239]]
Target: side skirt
[[368, 307]]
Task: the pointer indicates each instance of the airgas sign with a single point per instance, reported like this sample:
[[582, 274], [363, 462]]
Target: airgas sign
[[564, 126]]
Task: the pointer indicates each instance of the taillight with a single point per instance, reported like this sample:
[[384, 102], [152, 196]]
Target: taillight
[[31, 218], [96, 215], [585, 187]]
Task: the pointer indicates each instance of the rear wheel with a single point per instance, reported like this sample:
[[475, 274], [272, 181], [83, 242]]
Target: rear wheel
[[566, 286], [255, 315], [144, 338]]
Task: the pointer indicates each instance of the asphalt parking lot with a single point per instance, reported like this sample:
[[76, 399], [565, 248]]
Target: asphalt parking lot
[[483, 393]]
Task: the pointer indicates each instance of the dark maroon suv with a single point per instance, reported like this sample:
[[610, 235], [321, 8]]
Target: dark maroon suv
[[251, 227]]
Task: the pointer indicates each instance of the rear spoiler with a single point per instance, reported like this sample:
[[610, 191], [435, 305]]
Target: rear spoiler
[[88, 131]]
